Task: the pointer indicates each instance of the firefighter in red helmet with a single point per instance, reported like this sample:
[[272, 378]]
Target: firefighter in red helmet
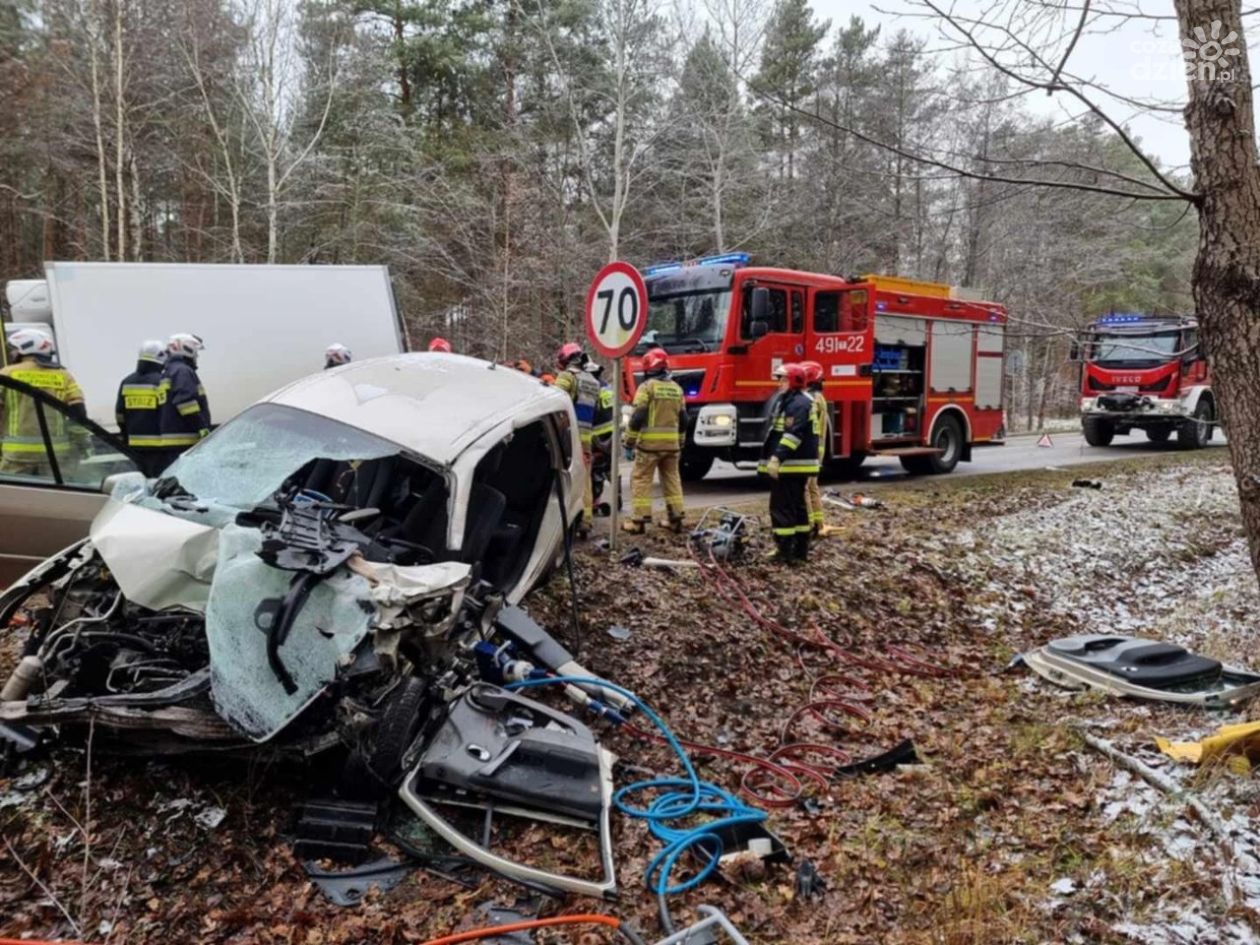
[[440, 345], [658, 428], [813, 494], [789, 458]]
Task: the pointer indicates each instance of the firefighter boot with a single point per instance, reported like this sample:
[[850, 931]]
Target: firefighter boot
[[800, 546], [675, 524], [784, 548], [633, 527]]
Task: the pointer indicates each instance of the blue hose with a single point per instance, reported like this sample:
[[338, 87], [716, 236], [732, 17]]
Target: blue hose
[[682, 798]]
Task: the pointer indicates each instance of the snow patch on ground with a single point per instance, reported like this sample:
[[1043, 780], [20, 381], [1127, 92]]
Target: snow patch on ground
[[1158, 553]]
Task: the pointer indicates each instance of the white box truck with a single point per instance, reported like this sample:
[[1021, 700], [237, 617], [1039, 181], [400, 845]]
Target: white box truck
[[263, 326]]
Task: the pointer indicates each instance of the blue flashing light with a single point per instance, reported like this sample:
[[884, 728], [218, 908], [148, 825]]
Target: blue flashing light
[[881, 306], [1121, 318], [726, 259]]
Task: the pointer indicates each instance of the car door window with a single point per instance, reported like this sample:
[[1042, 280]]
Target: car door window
[[41, 444], [778, 312]]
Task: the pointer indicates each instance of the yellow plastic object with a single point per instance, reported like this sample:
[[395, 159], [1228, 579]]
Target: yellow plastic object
[[935, 290], [1241, 741]]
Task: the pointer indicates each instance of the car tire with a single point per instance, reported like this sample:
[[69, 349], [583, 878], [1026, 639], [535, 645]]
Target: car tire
[[397, 728], [1160, 434], [694, 465], [1098, 432], [1193, 434]]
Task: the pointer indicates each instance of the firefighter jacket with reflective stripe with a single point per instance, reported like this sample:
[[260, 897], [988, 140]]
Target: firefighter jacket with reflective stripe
[[23, 439], [136, 409], [583, 390], [183, 412], [792, 438], [604, 413], [659, 421], [821, 420]]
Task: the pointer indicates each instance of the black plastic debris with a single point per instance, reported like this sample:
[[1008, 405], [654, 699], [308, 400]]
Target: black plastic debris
[[348, 887], [493, 914], [1086, 484], [809, 882], [334, 829], [903, 753]]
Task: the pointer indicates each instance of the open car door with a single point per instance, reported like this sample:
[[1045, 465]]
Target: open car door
[[52, 488]]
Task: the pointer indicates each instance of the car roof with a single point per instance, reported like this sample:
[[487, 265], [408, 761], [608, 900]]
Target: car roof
[[432, 403]]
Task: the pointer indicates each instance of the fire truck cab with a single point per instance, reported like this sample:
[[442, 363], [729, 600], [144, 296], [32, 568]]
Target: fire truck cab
[[1145, 372], [910, 370]]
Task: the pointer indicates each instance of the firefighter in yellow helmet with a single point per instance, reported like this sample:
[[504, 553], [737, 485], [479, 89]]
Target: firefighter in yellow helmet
[[22, 449], [658, 428], [822, 426]]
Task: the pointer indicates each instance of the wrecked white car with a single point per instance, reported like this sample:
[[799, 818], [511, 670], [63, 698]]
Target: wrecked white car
[[306, 574]]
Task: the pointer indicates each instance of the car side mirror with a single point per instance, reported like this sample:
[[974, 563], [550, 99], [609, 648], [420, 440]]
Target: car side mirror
[[759, 328], [123, 483]]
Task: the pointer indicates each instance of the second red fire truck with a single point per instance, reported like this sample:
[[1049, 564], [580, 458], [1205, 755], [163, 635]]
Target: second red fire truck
[[911, 370], [1146, 372]]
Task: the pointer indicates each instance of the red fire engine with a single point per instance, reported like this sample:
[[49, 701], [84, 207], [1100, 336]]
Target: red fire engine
[[911, 371], [1146, 372]]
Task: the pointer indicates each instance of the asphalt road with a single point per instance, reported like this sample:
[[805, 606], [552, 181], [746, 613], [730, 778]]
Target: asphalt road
[[726, 484]]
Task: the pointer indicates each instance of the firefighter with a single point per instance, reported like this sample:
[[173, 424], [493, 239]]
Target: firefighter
[[583, 390], [335, 355], [136, 408], [23, 450], [813, 494], [183, 411], [441, 345], [658, 427], [789, 457]]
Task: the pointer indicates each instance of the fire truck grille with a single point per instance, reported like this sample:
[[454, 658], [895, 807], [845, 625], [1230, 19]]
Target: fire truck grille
[[1160, 385]]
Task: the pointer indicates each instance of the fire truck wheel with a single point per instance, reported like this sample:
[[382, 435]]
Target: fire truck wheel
[[1193, 434], [694, 466], [1158, 434], [947, 436], [1098, 432]]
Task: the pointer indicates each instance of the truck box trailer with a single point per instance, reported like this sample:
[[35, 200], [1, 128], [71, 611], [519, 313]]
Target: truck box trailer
[[263, 325]]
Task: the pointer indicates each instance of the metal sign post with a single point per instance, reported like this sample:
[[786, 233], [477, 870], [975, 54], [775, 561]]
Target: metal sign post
[[616, 314]]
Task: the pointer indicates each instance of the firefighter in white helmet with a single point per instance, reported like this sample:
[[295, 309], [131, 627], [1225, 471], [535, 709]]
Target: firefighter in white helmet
[[335, 355], [136, 408], [23, 450], [184, 412]]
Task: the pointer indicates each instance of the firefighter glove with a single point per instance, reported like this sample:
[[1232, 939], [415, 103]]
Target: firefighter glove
[[772, 467], [628, 452]]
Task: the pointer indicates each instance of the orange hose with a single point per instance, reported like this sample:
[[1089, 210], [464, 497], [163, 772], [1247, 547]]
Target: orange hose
[[475, 934]]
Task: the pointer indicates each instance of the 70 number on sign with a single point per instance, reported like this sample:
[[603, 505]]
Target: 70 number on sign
[[627, 308]]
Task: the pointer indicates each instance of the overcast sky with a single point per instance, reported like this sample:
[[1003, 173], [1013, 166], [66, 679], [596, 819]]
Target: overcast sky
[[1138, 59]]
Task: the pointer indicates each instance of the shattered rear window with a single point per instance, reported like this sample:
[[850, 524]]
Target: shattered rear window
[[251, 456]]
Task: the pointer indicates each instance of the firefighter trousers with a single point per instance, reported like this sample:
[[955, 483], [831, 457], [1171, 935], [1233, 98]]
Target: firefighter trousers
[[813, 501], [645, 466], [789, 516], [588, 492]]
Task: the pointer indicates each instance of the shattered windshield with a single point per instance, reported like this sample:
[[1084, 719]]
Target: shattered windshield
[[246, 460], [687, 321], [1134, 350]]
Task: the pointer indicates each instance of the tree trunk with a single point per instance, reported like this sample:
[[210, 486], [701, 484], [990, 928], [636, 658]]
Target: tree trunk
[[120, 129], [1226, 278], [98, 121]]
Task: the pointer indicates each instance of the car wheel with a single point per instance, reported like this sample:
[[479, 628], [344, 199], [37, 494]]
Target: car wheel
[[1193, 433], [371, 771], [1158, 434], [694, 465], [1098, 432], [947, 436]]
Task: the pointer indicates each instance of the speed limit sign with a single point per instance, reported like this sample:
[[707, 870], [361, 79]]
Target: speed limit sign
[[616, 310]]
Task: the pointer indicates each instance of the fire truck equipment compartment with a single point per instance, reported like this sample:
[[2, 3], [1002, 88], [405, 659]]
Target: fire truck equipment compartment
[[1144, 669]]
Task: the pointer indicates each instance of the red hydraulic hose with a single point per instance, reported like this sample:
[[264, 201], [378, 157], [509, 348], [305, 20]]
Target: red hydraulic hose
[[475, 934]]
